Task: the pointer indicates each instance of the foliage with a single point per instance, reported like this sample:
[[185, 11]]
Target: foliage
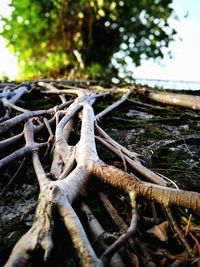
[[58, 36]]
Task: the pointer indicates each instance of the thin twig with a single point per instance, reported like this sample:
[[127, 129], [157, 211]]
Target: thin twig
[[125, 237], [7, 187], [145, 105], [113, 106], [178, 231], [112, 211]]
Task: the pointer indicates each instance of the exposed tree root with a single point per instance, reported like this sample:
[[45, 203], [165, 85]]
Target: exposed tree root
[[180, 100], [72, 167]]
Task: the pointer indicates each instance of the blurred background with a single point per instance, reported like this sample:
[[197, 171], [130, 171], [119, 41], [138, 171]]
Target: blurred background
[[154, 42]]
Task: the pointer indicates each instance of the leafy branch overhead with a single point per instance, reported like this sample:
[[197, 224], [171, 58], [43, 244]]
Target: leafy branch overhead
[[62, 143], [57, 36]]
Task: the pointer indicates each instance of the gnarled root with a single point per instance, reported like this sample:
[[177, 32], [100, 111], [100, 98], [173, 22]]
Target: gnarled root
[[72, 166]]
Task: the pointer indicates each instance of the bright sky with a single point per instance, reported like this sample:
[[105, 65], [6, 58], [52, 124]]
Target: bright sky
[[185, 64], [8, 63]]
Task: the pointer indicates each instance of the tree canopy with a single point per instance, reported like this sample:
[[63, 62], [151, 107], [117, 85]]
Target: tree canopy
[[64, 36]]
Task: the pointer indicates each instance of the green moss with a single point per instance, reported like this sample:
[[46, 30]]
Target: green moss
[[155, 133], [151, 131], [124, 124], [165, 158], [195, 125], [37, 101], [173, 164]]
